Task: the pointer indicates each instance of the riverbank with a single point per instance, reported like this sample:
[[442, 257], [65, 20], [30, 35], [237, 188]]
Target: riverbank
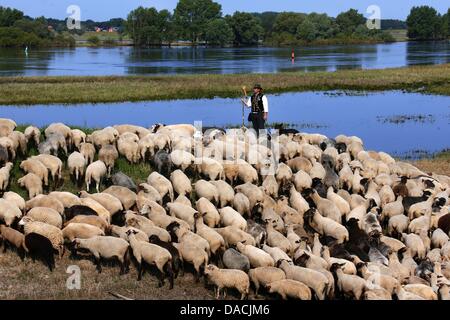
[[439, 164], [47, 90]]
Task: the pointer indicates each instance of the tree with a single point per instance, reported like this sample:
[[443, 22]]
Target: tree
[[424, 23], [247, 28], [288, 22], [348, 21], [9, 16], [192, 16], [307, 30], [218, 32], [148, 26], [94, 40]]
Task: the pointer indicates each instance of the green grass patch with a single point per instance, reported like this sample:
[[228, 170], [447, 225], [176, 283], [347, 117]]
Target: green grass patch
[[49, 90]]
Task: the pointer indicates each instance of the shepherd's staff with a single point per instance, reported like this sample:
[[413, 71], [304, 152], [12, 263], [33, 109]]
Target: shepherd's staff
[[244, 90]]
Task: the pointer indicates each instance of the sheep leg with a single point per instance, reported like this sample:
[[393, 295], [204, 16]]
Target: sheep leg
[[170, 274], [139, 272], [99, 264]]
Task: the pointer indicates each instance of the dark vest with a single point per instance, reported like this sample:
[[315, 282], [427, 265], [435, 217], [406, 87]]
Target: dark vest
[[257, 103]]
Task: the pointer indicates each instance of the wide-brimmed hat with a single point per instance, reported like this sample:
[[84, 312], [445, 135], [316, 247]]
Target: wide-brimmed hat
[[257, 86]]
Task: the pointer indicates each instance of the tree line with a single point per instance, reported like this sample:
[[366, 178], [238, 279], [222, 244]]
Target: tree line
[[18, 30], [425, 23]]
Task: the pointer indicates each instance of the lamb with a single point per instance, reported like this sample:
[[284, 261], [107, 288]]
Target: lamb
[[32, 133], [88, 152], [161, 184], [80, 230], [228, 278], [180, 182], [76, 164], [95, 221], [53, 164], [108, 154], [226, 192], [107, 247], [313, 279], [326, 226], [205, 189], [108, 201], [36, 167], [38, 245], [290, 288], [348, 284], [9, 212], [95, 171], [13, 238], [256, 256], [16, 199], [208, 211], [125, 195], [52, 233], [46, 215], [232, 259]]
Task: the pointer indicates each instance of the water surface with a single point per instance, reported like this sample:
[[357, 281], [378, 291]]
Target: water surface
[[394, 122], [187, 60]]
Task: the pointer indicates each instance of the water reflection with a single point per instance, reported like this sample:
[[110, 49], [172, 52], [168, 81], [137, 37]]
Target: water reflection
[[186, 60], [385, 121]]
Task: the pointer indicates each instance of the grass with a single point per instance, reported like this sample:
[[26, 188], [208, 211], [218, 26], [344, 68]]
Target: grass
[[439, 164], [48, 90], [399, 34]]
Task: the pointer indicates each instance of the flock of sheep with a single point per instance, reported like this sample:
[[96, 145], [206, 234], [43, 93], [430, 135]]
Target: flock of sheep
[[334, 221]]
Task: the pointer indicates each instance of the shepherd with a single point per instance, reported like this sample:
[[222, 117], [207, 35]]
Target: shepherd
[[259, 104]]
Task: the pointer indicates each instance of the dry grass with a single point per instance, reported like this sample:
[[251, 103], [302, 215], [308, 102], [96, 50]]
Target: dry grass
[[440, 164], [28, 280], [46, 90]]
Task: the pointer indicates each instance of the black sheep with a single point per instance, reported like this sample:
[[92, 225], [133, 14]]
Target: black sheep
[[409, 201], [444, 223], [358, 242], [318, 185], [77, 210], [163, 163], [41, 247], [177, 263]]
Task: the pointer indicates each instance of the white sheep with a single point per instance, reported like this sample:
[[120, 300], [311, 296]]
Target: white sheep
[[32, 183], [263, 276], [226, 192], [208, 211], [290, 288], [5, 175], [9, 212], [125, 195], [228, 278], [96, 171], [107, 248], [80, 230], [88, 152], [256, 256], [15, 199], [76, 164], [46, 215], [161, 184], [180, 182], [205, 189]]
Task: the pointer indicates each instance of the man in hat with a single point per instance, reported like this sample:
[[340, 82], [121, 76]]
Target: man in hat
[[260, 108]]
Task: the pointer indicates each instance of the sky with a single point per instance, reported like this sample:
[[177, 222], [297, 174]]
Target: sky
[[100, 10]]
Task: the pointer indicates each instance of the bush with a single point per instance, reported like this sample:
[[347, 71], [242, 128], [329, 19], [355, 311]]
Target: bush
[[93, 40]]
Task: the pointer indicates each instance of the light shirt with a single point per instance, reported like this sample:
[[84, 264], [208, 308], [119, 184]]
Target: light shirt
[[264, 100]]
